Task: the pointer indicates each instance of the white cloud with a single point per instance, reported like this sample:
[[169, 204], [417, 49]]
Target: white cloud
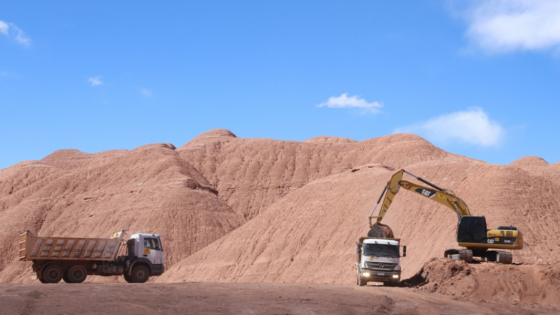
[[4, 27], [12, 31], [343, 101], [21, 37], [472, 126], [507, 25], [95, 81]]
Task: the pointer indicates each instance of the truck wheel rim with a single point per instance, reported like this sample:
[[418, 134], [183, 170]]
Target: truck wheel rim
[[53, 274]]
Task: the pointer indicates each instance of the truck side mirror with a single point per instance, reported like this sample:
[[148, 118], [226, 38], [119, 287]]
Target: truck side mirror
[[404, 251]]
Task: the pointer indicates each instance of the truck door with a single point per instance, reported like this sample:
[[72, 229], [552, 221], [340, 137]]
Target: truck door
[[152, 249]]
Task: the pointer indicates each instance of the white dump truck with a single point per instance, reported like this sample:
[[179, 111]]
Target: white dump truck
[[378, 259], [74, 258]]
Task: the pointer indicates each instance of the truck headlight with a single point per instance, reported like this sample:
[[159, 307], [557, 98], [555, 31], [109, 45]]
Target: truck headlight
[[366, 274], [396, 276]]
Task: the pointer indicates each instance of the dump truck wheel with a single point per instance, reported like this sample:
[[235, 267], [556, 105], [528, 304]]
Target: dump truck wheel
[[128, 278], [140, 274], [77, 274], [359, 280], [52, 274]]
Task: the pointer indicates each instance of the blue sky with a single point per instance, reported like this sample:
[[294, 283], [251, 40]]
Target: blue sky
[[480, 79]]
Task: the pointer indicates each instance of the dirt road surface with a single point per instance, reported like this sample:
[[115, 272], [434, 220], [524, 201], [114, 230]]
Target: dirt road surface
[[241, 298]]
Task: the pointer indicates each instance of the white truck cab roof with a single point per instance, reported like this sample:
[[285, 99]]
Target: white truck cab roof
[[137, 235], [381, 241]]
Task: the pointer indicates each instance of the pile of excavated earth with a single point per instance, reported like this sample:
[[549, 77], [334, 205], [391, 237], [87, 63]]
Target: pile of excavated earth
[[260, 210]]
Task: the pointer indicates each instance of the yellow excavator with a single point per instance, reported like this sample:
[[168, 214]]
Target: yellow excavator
[[472, 233]]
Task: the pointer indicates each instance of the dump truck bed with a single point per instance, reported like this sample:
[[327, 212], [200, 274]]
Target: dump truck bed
[[32, 247]]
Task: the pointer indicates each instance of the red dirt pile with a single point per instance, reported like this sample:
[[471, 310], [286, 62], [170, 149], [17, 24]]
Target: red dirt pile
[[526, 284], [238, 210]]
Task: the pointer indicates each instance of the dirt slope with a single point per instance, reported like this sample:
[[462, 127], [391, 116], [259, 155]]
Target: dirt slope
[[148, 189], [525, 284]]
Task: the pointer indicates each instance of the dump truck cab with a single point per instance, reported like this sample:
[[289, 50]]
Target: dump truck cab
[[145, 249], [378, 259]]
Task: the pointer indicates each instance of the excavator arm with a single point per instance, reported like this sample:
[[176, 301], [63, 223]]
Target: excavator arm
[[437, 194], [390, 191]]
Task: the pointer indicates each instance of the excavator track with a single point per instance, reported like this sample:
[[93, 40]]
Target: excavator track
[[460, 254], [504, 257]]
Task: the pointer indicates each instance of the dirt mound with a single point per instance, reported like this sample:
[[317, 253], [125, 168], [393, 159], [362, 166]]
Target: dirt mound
[[525, 284], [529, 161], [72, 159], [213, 135], [326, 139]]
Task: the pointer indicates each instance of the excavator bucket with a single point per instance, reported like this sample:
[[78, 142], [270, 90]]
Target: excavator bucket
[[379, 230]]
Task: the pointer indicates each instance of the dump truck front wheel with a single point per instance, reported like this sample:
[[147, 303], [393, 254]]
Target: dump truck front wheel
[[52, 274], [128, 278], [140, 274], [359, 280]]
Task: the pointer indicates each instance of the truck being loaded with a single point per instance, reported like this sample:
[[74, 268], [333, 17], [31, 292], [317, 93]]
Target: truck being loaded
[[378, 259], [74, 258]]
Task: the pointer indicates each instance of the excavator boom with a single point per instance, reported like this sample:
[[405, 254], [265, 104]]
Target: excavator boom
[[443, 197], [437, 194]]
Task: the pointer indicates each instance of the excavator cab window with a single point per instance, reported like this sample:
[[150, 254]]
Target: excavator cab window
[[471, 229]]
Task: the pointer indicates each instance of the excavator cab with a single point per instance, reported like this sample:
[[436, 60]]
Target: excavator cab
[[472, 229]]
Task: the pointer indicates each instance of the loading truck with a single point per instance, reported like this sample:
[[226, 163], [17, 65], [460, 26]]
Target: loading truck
[[74, 258], [378, 259]]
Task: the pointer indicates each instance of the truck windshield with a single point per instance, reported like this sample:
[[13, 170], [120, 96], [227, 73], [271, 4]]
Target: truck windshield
[[381, 250], [151, 243]]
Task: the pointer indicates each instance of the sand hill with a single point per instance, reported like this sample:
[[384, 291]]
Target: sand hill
[[239, 210]]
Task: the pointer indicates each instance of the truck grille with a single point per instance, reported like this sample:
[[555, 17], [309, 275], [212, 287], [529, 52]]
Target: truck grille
[[380, 265]]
